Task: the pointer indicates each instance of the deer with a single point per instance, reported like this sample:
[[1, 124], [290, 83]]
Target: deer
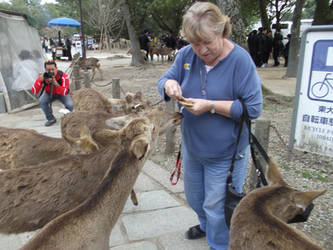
[[260, 219], [87, 99], [97, 115], [87, 63], [32, 196], [24, 147], [142, 52], [165, 51], [89, 225], [90, 100]]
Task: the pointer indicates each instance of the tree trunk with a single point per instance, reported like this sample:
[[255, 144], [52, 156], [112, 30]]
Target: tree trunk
[[231, 8], [263, 14], [83, 45], [295, 41], [323, 13], [137, 59]]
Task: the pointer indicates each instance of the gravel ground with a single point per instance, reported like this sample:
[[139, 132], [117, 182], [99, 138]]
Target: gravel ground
[[304, 171]]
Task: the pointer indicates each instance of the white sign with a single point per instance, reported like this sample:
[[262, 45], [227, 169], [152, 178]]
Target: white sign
[[313, 115]]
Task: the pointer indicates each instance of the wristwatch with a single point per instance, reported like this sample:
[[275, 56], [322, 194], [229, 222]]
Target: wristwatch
[[212, 110]]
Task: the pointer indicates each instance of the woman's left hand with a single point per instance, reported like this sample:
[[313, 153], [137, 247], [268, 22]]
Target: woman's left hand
[[199, 106]]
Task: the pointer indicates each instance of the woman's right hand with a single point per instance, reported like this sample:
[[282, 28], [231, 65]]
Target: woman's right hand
[[172, 89]]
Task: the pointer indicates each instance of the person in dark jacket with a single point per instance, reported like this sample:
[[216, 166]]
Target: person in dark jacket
[[68, 44], [268, 44], [286, 51], [252, 44], [144, 40], [277, 47], [260, 47]]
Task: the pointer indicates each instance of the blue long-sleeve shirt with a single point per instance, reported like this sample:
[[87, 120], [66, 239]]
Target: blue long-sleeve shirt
[[234, 78]]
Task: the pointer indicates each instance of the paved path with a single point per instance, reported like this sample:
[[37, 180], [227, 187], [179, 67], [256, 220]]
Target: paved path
[[158, 222]]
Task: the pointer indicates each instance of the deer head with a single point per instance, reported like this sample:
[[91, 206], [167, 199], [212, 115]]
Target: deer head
[[85, 142], [286, 202]]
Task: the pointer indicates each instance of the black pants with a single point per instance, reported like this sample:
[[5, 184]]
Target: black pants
[[69, 53], [276, 53]]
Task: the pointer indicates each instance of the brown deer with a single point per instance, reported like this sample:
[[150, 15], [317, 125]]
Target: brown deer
[[32, 196], [260, 219], [89, 225], [87, 63], [142, 52], [87, 99], [133, 105], [24, 147], [90, 100], [165, 51]]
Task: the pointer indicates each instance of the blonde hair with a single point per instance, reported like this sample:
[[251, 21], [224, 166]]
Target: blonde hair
[[201, 20]]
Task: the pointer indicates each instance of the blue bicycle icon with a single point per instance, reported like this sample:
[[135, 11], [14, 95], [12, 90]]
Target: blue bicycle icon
[[321, 89]]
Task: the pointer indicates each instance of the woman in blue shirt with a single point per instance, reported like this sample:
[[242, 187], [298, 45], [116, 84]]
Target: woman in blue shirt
[[214, 75]]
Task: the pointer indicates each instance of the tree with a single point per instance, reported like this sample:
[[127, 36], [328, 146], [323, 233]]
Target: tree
[[137, 59], [295, 41], [274, 10], [168, 14], [232, 9], [323, 13], [265, 21], [250, 14], [105, 17], [82, 31], [309, 9], [279, 8]]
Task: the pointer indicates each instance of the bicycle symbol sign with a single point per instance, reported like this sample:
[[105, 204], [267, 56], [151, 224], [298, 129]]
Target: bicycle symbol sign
[[320, 86]]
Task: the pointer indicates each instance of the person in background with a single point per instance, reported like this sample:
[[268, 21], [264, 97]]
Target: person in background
[[260, 46], [68, 45], [286, 51], [53, 48], [44, 45], [52, 85], [144, 40], [252, 45], [213, 75], [277, 46], [268, 44]]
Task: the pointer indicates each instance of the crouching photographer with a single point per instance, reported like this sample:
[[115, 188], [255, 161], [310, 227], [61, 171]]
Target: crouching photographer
[[53, 85]]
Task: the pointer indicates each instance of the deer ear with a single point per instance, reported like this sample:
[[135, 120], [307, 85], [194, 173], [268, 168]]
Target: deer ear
[[139, 148], [273, 174], [85, 142], [303, 199], [88, 145]]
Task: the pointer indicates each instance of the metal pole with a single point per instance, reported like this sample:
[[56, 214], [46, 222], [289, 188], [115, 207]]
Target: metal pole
[[262, 134], [116, 88]]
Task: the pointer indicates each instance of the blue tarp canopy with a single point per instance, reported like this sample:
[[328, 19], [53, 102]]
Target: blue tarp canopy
[[64, 21]]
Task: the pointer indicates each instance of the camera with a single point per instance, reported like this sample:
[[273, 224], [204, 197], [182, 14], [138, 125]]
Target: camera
[[47, 75]]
